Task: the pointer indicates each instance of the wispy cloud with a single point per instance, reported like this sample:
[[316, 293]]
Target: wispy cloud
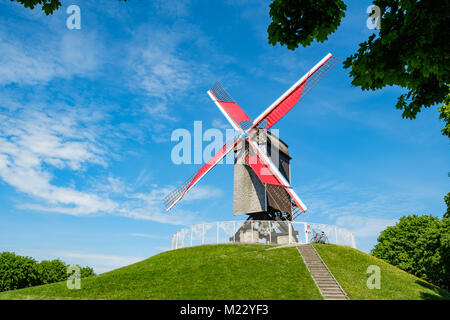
[[149, 206], [35, 144], [160, 111], [173, 8], [100, 262], [142, 178], [32, 141], [57, 56], [364, 226], [157, 66], [203, 192], [149, 236], [363, 210], [220, 124]]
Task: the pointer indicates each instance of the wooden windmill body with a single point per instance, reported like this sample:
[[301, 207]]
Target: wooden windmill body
[[251, 196]]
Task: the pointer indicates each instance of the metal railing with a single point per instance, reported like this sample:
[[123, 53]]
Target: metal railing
[[260, 231]]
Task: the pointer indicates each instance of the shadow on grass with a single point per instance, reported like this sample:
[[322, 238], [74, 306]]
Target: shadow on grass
[[439, 294]]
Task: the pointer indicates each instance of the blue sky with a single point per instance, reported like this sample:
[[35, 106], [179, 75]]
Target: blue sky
[[86, 118]]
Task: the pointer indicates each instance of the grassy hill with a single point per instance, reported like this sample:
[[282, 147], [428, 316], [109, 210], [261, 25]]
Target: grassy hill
[[238, 272]]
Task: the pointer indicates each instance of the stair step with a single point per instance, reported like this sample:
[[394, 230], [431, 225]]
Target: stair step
[[325, 280], [336, 298], [318, 266], [333, 293], [331, 290], [327, 284]]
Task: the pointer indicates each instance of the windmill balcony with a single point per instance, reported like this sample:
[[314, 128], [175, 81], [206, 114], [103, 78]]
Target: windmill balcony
[[263, 232]]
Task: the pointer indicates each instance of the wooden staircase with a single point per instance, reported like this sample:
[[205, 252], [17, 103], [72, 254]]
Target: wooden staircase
[[324, 279]]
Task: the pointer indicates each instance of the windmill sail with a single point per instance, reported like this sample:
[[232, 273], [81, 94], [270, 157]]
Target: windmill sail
[[178, 193], [292, 96], [230, 109]]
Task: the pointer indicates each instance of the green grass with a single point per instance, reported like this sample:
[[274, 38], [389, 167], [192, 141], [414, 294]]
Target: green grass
[[238, 272], [206, 272], [349, 267]]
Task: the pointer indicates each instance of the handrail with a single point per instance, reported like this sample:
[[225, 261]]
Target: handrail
[[258, 231]]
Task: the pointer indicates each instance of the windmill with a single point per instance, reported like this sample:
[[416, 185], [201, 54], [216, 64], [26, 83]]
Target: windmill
[[268, 183]]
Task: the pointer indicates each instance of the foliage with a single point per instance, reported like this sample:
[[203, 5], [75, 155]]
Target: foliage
[[17, 272], [447, 201], [48, 6], [52, 271], [419, 245], [296, 21], [86, 272], [409, 51], [444, 111]]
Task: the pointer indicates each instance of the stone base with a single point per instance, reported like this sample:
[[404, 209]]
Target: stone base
[[246, 236], [282, 239]]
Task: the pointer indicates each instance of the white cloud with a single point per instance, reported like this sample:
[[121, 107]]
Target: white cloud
[[38, 141], [149, 236], [98, 261], [364, 210], [202, 192], [160, 65], [110, 186], [172, 8], [149, 206], [219, 124], [142, 178], [364, 227], [57, 56], [160, 111], [105, 260], [157, 67], [80, 53], [32, 141], [34, 144]]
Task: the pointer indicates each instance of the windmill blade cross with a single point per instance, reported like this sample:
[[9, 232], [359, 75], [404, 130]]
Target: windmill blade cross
[[263, 166]]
